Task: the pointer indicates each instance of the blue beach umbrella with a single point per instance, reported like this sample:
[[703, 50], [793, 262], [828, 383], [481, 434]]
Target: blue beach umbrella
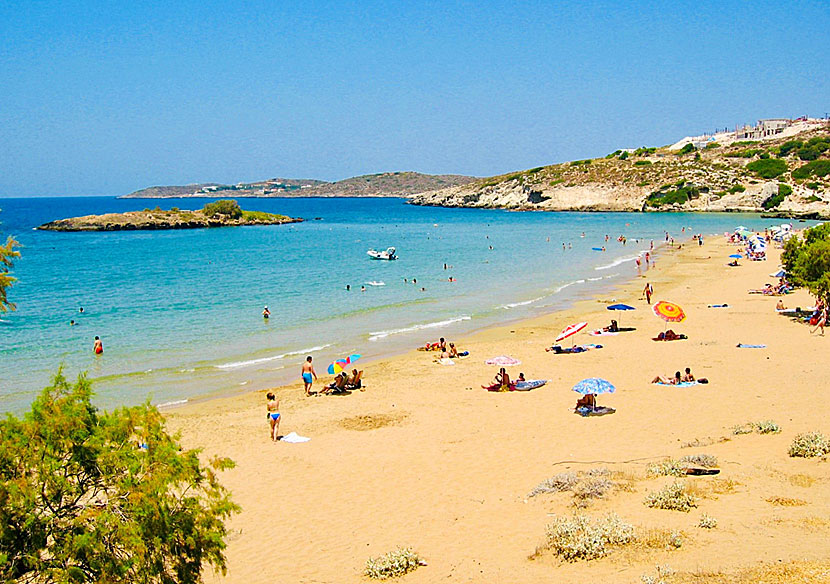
[[620, 307], [779, 274], [737, 256], [594, 385]]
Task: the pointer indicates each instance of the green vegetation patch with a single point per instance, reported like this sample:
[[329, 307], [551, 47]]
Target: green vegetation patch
[[784, 191], [807, 260], [814, 168], [227, 207], [813, 199], [768, 168], [642, 163], [712, 146], [580, 162], [676, 196], [745, 143], [687, 149], [749, 153]]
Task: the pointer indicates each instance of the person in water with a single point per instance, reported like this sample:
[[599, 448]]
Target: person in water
[[81, 309], [98, 346], [266, 313], [273, 408], [72, 323], [308, 374]]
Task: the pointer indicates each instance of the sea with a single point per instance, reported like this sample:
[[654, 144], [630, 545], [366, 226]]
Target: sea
[[180, 312]]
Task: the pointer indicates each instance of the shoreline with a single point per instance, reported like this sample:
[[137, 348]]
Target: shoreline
[[426, 458]]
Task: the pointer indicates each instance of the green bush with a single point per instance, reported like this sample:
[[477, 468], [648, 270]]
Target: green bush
[[787, 147], [228, 207], [744, 153], [676, 196], [807, 260], [642, 163], [768, 168], [815, 168], [744, 143], [712, 146], [736, 189], [808, 153], [686, 149], [644, 151], [579, 538], [784, 191], [809, 445], [580, 162], [813, 199], [624, 156], [813, 186]]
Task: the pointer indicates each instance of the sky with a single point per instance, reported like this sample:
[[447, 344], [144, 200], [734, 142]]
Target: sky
[[103, 98]]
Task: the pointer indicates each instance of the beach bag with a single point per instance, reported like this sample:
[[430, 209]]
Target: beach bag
[[814, 321]]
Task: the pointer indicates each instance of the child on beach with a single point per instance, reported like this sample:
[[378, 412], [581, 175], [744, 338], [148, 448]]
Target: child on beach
[[273, 408]]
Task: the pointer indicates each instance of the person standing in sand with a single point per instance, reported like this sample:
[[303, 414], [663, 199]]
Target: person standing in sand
[[648, 291], [98, 346], [308, 375], [273, 407]]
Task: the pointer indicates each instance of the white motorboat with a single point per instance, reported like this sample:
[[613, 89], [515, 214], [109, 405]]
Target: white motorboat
[[388, 254]]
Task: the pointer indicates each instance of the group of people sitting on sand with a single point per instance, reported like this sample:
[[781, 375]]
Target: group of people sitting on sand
[[782, 287], [448, 350], [344, 383], [679, 378], [502, 382]]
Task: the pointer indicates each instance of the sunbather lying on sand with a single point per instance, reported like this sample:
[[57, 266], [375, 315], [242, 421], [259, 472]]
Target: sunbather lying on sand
[[669, 335], [673, 380], [558, 349]]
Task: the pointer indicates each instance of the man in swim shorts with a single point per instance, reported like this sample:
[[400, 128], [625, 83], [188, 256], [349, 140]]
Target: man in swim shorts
[[308, 375]]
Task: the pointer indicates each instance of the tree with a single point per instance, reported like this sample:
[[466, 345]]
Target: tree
[[94, 496], [807, 260], [7, 256], [227, 207]]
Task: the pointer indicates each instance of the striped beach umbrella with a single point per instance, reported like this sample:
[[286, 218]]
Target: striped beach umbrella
[[571, 330], [669, 311]]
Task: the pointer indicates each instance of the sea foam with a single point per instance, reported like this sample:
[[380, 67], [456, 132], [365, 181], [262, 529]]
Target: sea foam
[[374, 336], [238, 364]]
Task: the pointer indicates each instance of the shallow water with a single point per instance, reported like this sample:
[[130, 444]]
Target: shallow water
[[179, 312]]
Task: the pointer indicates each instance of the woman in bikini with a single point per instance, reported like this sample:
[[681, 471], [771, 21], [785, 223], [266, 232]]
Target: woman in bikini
[[273, 408]]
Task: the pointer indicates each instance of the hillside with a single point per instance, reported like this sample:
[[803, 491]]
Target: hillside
[[387, 184], [787, 175]]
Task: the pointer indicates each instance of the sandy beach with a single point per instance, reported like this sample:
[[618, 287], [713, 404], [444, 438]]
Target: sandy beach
[[426, 458]]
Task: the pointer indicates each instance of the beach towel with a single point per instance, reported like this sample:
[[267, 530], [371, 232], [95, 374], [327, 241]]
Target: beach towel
[[745, 346], [718, 306], [294, 438], [599, 411], [446, 361], [529, 384], [503, 360], [681, 384], [601, 333]]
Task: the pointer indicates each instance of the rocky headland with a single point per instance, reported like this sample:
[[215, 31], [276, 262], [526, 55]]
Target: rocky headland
[[787, 176], [218, 214]]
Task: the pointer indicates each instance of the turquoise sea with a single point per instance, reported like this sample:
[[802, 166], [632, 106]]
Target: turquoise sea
[[179, 312]]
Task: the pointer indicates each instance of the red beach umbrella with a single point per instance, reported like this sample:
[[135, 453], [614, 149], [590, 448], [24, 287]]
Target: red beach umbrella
[[571, 330]]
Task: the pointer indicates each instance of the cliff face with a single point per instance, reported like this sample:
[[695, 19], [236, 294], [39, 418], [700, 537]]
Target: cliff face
[[776, 176], [154, 220]]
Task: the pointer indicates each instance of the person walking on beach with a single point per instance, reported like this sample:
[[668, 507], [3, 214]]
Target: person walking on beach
[[308, 375], [822, 321], [98, 346], [273, 407], [648, 291]]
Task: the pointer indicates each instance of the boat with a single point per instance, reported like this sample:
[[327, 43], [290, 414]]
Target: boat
[[389, 254]]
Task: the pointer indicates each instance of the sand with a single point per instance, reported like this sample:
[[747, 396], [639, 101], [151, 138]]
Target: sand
[[426, 458]]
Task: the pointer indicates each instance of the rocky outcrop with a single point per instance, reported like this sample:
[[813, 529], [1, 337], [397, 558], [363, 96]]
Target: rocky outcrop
[[154, 220]]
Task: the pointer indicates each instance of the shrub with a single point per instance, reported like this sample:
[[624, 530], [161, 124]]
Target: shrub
[[704, 460], [768, 168], [813, 199], [624, 156], [784, 190], [174, 209], [642, 163], [809, 445], [743, 429], [227, 207], [392, 564], [707, 522], [786, 501], [593, 488], [808, 153], [815, 168], [674, 497], [666, 468], [744, 143], [676, 196], [686, 149], [581, 162], [564, 481], [813, 186], [736, 189], [644, 151], [767, 427], [712, 146], [807, 260], [579, 538], [787, 147]]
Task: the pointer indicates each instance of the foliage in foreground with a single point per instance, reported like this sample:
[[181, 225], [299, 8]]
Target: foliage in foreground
[[809, 445], [7, 256], [392, 564], [807, 260], [94, 496]]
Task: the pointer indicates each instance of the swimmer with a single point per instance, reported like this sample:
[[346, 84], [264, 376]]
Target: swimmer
[[81, 309], [451, 279], [72, 323], [348, 287], [266, 314], [363, 288], [98, 347], [423, 289], [273, 409]]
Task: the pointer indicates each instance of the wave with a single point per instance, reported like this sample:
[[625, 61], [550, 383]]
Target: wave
[[177, 402], [238, 364], [563, 286], [516, 304], [617, 262], [417, 327]]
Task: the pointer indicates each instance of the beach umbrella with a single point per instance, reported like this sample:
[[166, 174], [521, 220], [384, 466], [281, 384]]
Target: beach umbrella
[[737, 256], [669, 311], [571, 330], [338, 367], [352, 358], [620, 307], [779, 274], [594, 385], [503, 360]]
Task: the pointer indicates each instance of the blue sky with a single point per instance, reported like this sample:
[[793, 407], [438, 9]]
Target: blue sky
[[104, 98]]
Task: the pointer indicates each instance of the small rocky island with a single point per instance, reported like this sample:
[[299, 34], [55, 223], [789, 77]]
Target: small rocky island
[[223, 213]]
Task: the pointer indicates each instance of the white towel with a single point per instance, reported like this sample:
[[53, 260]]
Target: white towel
[[294, 438]]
